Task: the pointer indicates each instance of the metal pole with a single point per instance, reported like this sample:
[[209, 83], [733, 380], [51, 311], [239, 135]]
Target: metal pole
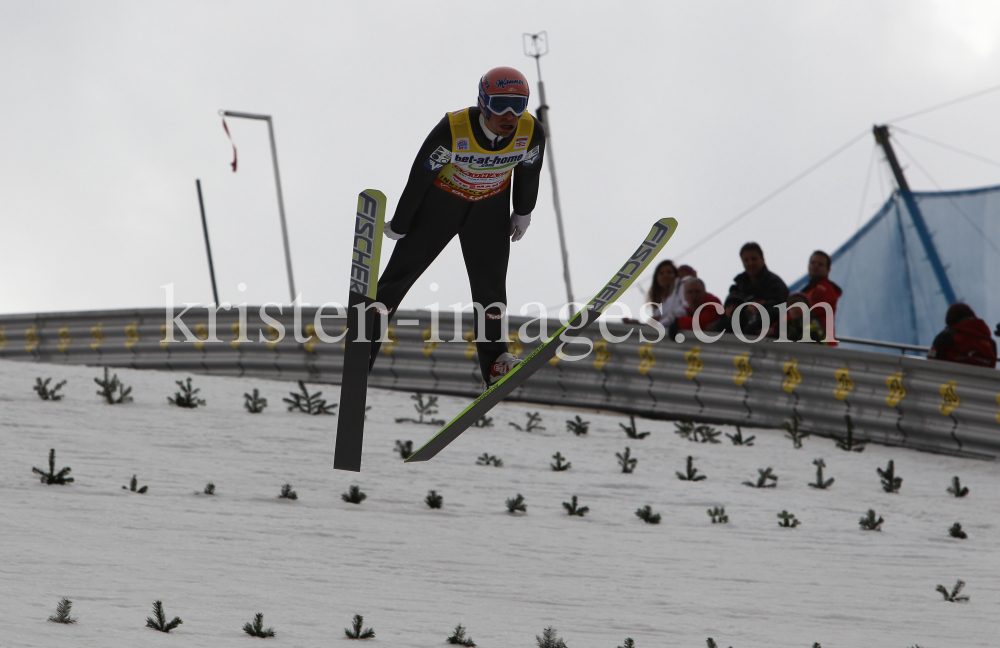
[[536, 50], [208, 247], [277, 183]]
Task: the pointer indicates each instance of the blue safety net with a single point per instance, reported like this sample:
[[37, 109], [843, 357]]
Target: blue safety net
[[893, 290]]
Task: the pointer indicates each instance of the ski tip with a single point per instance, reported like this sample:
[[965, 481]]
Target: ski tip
[[376, 194]]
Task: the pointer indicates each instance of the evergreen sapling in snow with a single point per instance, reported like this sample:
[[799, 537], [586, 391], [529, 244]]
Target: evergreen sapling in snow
[[515, 504], [423, 409], [458, 638], [62, 614], [256, 627], [187, 396], [254, 403], [210, 488], [718, 515], [353, 495], [534, 420], [308, 403], [956, 488], [487, 459], [788, 520], [869, 523], [356, 632], [646, 515], [626, 461], [738, 439], [53, 477], [159, 620], [483, 422], [956, 532], [132, 486], [765, 476], [572, 509], [288, 493], [111, 385], [628, 643], [559, 466], [711, 643], [692, 472], [404, 448], [849, 443], [791, 427], [549, 639], [631, 430], [433, 500], [820, 465], [953, 597], [577, 426], [890, 483], [42, 387]]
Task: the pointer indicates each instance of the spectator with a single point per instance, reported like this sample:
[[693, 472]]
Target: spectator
[[756, 285], [820, 290], [667, 293], [685, 271], [965, 339], [695, 296], [796, 322]]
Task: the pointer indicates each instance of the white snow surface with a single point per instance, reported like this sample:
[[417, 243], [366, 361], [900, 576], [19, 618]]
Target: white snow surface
[[415, 573]]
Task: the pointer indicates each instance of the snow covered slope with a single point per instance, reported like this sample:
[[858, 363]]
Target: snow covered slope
[[415, 573]]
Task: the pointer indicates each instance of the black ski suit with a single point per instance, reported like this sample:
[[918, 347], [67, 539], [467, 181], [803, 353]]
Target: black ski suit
[[430, 217]]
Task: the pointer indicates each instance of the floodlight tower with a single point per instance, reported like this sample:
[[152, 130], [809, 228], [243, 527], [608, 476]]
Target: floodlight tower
[[537, 46]]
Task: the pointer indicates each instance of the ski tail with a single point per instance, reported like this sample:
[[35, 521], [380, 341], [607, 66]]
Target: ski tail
[[659, 234], [367, 250]]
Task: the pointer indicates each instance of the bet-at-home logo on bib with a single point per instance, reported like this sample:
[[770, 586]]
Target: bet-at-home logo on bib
[[486, 161]]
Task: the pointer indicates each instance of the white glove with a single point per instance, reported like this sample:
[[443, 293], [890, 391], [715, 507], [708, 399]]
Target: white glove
[[387, 230], [518, 226]]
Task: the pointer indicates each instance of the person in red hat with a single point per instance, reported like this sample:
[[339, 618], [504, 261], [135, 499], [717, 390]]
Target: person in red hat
[[474, 167], [965, 339]]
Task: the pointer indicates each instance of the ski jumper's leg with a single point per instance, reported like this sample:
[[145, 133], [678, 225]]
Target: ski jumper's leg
[[485, 238], [434, 225]]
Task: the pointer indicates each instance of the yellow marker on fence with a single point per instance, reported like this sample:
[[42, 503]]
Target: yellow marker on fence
[[97, 333], [743, 369], [163, 336], [949, 397], [516, 347], [272, 337], [235, 328], [131, 335], [648, 358], [64, 339], [695, 366], [31, 334], [429, 345], [200, 332], [3, 338], [601, 354], [844, 383], [792, 376], [470, 344], [998, 411], [896, 390], [391, 340], [311, 341], [555, 360]]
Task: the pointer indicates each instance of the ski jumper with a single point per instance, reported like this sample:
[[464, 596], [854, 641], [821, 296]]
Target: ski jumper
[[462, 182]]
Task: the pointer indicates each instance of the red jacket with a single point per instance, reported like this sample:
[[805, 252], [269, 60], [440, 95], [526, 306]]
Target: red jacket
[[819, 291], [708, 315], [968, 342]]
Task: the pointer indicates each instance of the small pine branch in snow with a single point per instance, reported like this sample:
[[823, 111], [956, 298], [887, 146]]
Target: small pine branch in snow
[[53, 477], [534, 420], [356, 632], [788, 520], [849, 443], [256, 627], [762, 479], [628, 643], [953, 597], [718, 515], [890, 483], [869, 523], [626, 461], [483, 422], [458, 638], [62, 612], [210, 488], [631, 430], [433, 500], [133, 483], [159, 620], [692, 472], [423, 409], [288, 493], [578, 426], [956, 488], [487, 459], [187, 396], [711, 643], [549, 639], [353, 495], [684, 429], [404, 448], [572, 509], [254, 403], [308, 403], [956, 532], [697, 433], [646, 515], [792, 431], [111, 385], [42, 387], [820, 465], [738, 439], [515, 504], [559, 466]]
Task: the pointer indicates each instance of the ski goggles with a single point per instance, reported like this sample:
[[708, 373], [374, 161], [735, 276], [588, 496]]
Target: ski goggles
[[500, 104]]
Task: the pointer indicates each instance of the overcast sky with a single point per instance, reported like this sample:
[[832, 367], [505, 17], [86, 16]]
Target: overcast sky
[[690, 110]]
